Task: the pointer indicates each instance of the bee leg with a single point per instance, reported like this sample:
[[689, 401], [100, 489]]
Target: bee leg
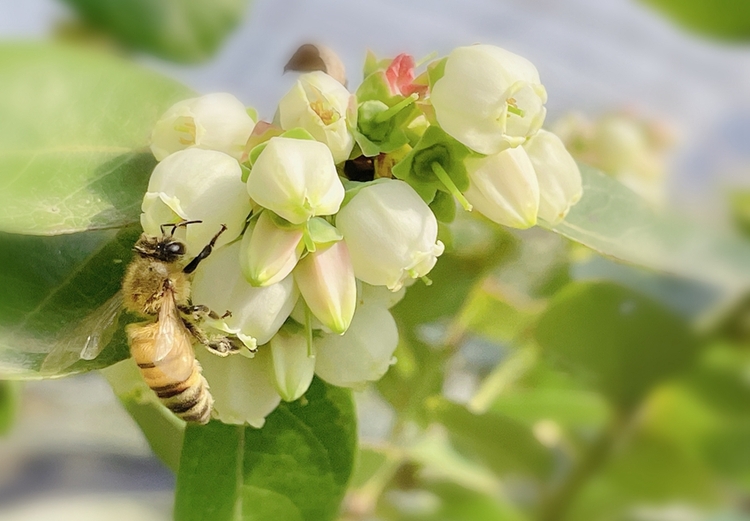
[[193, 264], [220, 345]]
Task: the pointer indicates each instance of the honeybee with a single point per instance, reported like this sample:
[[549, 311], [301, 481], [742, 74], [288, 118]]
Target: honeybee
[[157, 284]]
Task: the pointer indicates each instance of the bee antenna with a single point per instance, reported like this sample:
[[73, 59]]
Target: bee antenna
[[174, 226]]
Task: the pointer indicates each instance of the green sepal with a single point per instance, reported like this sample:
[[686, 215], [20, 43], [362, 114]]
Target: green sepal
[[322, 232], [435, 147], [436, 70], [245, 168], [373, 64], [444, 207], [252, 113], [281, 222]]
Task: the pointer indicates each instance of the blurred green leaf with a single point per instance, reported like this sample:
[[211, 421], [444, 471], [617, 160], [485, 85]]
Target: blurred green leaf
[[614, 221], [503, 444], [163, 430], [295, 468], [74, 137], [726, 19], [10, 396], [567, 407], [181, 30], [615, 338], [54, 289]]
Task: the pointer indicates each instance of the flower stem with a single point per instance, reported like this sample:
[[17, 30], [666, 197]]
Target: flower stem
[[441, 174], [398, 107]]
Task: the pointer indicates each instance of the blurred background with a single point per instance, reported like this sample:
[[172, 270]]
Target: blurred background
[[622, 79]]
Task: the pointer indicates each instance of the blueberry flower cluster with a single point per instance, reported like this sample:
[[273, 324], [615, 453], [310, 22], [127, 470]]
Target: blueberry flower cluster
[[332, 208]]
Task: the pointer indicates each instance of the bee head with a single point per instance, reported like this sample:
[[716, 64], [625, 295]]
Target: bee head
[[165, 248]]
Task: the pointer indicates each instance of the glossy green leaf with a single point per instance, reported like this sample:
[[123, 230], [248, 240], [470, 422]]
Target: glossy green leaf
[[725, 19], [614, 221], [74, 137], [616, 339], [295, 468], [163, 430], [500, 442], [179, 30], [57, 296]]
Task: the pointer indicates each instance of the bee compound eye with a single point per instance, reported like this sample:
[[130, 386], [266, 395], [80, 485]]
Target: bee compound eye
[[176, 247]]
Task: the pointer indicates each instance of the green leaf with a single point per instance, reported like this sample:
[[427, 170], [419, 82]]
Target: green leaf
[[500, 442], [614, 221], [180, 30], [57, 296], [726, 19], [10, 395], [295, 468], [617, 339], [74, 140], [163, 430]]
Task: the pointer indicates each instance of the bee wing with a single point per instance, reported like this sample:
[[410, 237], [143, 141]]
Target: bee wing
[[84, 340], [173, 340]]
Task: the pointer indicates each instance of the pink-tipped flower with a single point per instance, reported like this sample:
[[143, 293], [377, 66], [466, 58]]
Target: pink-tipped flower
[[400, 76], [269, 252], [325, 279]]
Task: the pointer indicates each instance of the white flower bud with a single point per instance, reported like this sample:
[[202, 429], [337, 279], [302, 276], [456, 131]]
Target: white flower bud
[[242, 387], [363, 354], [489, 99], [297, 179], [560, 185], [391, 234], [196, 185], [504, 188], [293, 369], [257, 313], [213, 122], [318, 103], [326, 281], [269, 253]]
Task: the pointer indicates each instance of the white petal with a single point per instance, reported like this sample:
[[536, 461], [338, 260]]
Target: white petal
[[242, 387], [318, 103], [560, 185], [363, 354], [297, 179], [471, 100], [216, 121], [256, 312], [292, 367], [391, 234], [197, 185], [504, 188]]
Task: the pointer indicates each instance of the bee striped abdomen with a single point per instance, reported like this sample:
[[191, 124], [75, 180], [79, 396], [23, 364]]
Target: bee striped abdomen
[[176, 378]]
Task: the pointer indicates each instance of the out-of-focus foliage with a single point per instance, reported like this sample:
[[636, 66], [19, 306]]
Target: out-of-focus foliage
[[74, 139], [725, 19], [295, 468], [181, 30], [9, 400]]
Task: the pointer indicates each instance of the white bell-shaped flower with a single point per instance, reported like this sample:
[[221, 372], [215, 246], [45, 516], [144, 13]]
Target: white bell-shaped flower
[[296, 178], [559, 178], [504, 188], [326, 281], [269, 253], [489, 99], [243, 389], [391, 234], [293, 366], [363, 354], [196, 185], [256, 313], [213, 122], [318, 103]]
